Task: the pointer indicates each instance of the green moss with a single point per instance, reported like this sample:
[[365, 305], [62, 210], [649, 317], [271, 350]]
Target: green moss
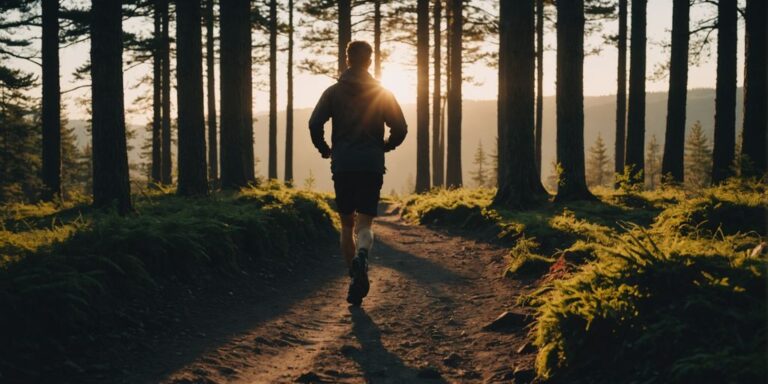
[[657, 311]]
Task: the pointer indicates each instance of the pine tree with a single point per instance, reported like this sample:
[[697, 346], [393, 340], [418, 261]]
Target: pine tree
[[111, 184], [674, 137], [19, 138], [634, 151], [621, 91], [480, 174], [570, 102], [519, 181], [754, 149], [653, 164], [598, 164], [272, 158], [236, 155], [193, 170], [309, 182], [51, 101], [438, 167], [210, 58], [166, 140], [453, 175], [289, 102], [724, 142], [423, 179], [698, 158]]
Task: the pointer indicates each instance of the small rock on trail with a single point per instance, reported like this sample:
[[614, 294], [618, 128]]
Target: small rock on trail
[[508, 321]]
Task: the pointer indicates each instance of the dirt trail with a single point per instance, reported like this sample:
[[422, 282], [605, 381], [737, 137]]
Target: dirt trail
[[431, 294]]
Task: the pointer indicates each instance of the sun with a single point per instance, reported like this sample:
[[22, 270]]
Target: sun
[[400, 82]]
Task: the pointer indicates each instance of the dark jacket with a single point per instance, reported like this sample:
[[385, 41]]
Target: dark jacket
[[359, 107]]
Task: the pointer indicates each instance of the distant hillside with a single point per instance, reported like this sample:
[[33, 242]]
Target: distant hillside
[[479, 124]]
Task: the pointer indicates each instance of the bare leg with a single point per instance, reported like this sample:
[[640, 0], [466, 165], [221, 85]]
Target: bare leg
[[347, 238], [364, 232]]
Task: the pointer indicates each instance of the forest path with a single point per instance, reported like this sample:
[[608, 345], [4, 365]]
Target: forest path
[[431, 294]]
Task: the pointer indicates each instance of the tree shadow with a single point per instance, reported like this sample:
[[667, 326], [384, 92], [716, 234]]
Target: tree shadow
[[378, 364]]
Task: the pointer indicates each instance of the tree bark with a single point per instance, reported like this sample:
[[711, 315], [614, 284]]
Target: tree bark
[[570, 101], [518, 179], [157, 58], [672, 164], [289, 103], [635, 149], [377, 39], [165, 43], [453, 171], [237, 160], [193, 180], [210, 59], [272, 163], [422, 97], [621, 92], [437, 155], [755, 136], [51, 103], [539, 82], [345, 32], [111, 184], [725, 92]]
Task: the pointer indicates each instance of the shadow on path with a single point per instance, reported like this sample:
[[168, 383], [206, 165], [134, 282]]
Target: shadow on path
[[377, 363], [417, 268]]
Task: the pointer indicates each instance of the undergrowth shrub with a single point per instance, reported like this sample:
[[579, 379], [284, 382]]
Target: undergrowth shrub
[[669, 311], [65, 279], [731, 208]]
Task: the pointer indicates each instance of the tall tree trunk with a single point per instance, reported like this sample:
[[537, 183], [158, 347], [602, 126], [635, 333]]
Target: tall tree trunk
[[345, 32], [453, 172], [437, 156], [165, 42], [51, 104], [377, 39], [157, 150], [272, 164], [111, 184], [570, 101], [519, 183], [236, 94], [621, 92], [754, 137], [539, 82], [193, 180], [674, 139], [635, 150], [210, 59], [289, 102], [422, 97], [725, 92]]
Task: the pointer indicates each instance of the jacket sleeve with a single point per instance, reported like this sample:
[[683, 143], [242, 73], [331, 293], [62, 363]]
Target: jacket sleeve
[[320, 115], [393, 117]]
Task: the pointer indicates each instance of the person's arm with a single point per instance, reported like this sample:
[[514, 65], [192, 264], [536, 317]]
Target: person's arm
[[393, 116], [320, 115]]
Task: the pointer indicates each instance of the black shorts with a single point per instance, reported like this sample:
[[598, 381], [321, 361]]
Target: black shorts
[[357, 192]]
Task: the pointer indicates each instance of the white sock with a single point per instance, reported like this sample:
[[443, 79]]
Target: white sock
[[365, 239]]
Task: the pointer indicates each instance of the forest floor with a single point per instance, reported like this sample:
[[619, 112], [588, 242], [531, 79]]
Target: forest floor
[[432, 293]]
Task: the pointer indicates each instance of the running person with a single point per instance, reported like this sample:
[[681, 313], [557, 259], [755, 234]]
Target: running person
[[359, 107]]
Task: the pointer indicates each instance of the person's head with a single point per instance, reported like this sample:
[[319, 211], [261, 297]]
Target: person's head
[[359, 55]]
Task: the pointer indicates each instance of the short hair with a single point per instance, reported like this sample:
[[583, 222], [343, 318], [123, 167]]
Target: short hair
[[358, 52]]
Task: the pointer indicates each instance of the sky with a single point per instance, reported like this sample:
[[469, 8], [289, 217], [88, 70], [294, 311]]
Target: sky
[[400, 77]]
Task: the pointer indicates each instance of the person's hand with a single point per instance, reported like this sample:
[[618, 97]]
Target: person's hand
[[326, 154]]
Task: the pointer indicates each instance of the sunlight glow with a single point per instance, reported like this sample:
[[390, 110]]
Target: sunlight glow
[[401, 82]]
